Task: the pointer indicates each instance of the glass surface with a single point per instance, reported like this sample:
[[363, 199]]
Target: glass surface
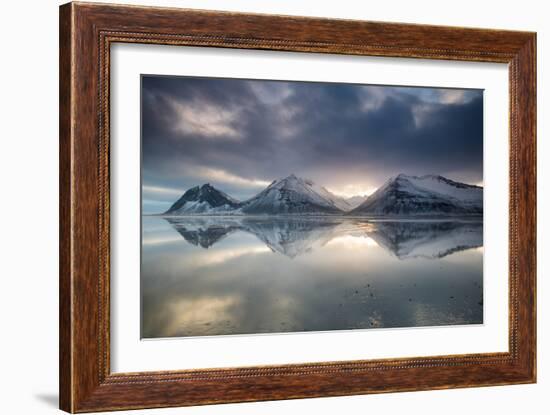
[[274, 206]]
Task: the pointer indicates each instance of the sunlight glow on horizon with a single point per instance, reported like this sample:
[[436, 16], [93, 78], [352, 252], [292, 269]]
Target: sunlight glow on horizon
[[351, 190], [353, 242]]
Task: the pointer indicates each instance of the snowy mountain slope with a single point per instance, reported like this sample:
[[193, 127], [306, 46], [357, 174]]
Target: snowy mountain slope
[[425, 195], [205, 199], [465, 192], [338, 201], [355, 201], [292, 195]]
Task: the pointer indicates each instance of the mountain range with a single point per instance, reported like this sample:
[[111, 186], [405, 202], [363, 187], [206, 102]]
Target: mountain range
[[401, 195]]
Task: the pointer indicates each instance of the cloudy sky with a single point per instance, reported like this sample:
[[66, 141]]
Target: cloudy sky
[[239, 135]]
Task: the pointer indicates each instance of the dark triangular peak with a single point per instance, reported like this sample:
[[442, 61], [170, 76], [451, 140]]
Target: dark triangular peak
[[191, 194], [203, 200]]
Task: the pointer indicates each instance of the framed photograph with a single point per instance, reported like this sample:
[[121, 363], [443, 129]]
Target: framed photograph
[[260, 207]]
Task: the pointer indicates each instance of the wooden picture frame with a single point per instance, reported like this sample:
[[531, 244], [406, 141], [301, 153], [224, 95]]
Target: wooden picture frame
[[86, 33]]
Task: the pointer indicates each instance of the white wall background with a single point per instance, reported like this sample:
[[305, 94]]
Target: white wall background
[[28, 208]]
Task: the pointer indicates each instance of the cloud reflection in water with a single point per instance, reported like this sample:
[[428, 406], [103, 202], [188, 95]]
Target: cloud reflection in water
[[234, 275]]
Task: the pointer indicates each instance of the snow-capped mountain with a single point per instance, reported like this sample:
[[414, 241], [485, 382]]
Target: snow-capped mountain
[[205, 199], [340, 202], [293, 195], [425, 195]]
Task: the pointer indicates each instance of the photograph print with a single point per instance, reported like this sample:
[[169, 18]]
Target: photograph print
[[287, 206]]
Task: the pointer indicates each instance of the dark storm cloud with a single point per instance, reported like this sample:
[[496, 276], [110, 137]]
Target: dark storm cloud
[[242, 134]]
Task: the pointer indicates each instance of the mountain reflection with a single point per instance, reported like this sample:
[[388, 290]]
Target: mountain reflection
[[202, 234], [242, 275], [405, 239], [427, 239]]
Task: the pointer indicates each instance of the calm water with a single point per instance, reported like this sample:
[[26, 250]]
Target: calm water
[[223, 275]]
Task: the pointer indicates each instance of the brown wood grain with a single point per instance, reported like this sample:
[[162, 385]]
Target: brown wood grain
[[65, 246], [86, 33]]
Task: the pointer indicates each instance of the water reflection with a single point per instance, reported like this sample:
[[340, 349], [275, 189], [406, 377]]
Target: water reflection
[[237, 275], [428, 239], [297, 236]]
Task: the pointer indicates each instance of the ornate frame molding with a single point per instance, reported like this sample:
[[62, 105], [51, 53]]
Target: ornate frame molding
[[86, 33]]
